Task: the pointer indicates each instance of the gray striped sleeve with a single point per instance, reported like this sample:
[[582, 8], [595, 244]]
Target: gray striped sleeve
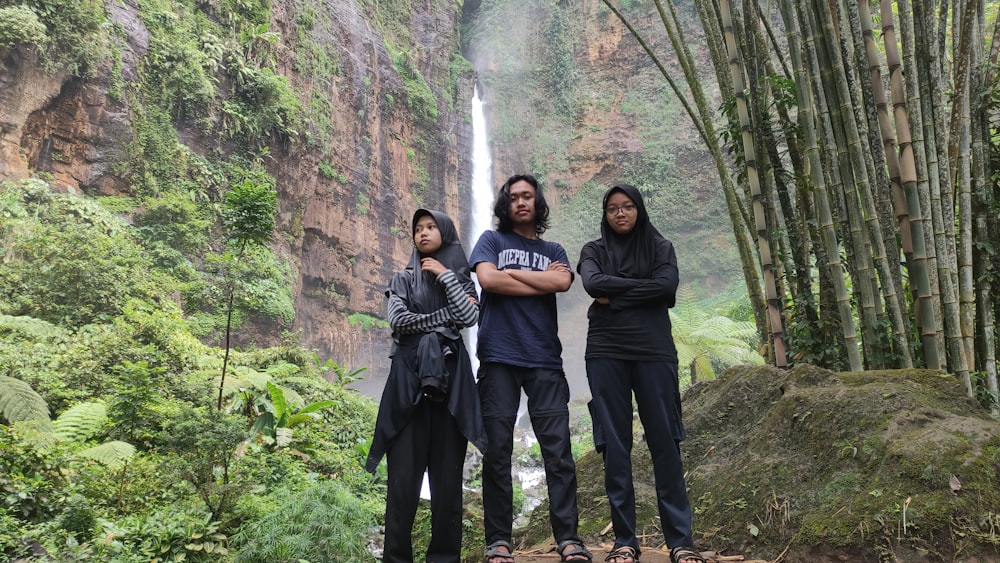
[[404, 321], [463, 310]]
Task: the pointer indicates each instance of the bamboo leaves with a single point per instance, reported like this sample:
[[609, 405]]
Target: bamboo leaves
[[878, 172]]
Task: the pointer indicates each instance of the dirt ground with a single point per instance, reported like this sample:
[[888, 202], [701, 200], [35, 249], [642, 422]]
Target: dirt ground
[[649, 555]]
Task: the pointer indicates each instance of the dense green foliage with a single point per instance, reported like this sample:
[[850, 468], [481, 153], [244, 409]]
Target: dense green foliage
[[68, 34], [99, 318]]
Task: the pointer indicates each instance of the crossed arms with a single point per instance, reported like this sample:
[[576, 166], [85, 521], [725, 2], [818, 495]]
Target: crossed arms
[[555, 279]]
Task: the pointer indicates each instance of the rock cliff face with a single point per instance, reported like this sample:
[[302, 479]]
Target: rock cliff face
[[570, 97], [349, 237], [344, 231]]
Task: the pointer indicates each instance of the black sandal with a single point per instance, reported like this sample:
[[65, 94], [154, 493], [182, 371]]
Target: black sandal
[[623, 554], [578, 553], [493, 552], [679, 554]]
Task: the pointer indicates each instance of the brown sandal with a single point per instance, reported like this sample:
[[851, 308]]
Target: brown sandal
[[682, 554], [494, 555], [622, 554]]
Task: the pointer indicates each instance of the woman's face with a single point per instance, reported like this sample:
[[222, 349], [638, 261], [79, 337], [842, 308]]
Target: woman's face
[[620, 213], [426, 235]]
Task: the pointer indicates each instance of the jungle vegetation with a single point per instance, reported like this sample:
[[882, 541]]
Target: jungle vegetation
[[131, 431], [858, 159]]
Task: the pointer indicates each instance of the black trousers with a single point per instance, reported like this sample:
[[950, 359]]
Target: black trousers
[[432, 442], [548, 396], [657, 396]]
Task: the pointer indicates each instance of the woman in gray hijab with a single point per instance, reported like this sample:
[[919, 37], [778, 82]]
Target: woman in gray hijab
[[429, 410]]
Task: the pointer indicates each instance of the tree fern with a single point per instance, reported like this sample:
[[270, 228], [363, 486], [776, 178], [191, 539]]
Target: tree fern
[[282, 370], [704, 341], [112, 454], [19, 402], [30, 327], [81, 422]]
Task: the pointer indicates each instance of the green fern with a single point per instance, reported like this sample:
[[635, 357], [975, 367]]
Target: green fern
[[28, 327], [257, 379], [19, 402], [281, 370], [112, 454], [705, 341], [81, 422]]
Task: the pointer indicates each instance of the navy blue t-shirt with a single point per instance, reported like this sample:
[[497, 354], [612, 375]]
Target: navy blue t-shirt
[[518, 330]]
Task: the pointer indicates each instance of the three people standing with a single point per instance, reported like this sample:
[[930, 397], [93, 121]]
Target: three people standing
[[429, 410]]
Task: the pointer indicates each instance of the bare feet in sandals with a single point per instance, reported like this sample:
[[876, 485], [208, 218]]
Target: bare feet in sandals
[[500, 552], [573, 550], [685, 555], [622, 554]]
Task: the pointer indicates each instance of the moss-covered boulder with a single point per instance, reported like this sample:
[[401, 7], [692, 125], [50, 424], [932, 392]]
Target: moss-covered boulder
[[868, 466]]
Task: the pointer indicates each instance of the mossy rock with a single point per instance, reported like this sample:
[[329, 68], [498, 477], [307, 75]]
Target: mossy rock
[[871, 466]]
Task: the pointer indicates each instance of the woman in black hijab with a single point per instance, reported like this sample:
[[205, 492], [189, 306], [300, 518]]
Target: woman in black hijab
[[631, 272], [430, 406]]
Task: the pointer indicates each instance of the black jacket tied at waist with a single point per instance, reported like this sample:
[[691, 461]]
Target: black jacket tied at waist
[[427, 366]]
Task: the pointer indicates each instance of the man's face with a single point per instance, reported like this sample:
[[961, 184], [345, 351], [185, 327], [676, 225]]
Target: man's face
[[522, 203]]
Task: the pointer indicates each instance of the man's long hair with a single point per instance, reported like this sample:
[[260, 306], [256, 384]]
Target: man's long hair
[[502, 207]]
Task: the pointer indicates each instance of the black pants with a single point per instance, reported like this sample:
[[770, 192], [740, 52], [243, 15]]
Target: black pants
[[657, 395], [548, 396], [432, 442]]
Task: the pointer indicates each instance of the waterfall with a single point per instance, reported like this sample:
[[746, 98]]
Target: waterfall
[[482, 195], [482, 216]]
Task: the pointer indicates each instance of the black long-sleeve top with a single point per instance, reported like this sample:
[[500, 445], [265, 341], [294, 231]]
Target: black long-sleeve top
[[635, 324]]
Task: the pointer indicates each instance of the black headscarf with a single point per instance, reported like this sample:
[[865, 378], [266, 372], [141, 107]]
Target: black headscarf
[[418, 288], [633, 254]]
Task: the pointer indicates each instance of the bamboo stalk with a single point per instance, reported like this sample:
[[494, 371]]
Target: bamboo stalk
[[750, 158], [908, 176], [841, 139], [892, 161], [823, 212]]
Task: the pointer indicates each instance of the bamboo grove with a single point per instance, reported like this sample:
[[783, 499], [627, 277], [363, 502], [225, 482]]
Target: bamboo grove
[[857, 151]]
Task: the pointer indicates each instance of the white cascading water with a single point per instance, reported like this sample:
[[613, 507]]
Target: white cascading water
[[532, 479], [482, 195], [482, 214]]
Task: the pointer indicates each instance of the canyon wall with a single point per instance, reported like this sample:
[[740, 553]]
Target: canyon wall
[[386, 89]]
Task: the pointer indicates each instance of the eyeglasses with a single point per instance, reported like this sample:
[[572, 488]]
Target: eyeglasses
[[628, 209]]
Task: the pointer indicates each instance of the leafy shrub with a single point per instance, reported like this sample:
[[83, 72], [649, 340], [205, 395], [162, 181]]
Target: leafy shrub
[[323, 523], [76, 41], [175, 533], [419, 96], [19, 24], [265, 105], [75, 264], [180, 64], [32, 483], [78, 518], [132, 411], [203, 445], [176, 221], [141, 486]]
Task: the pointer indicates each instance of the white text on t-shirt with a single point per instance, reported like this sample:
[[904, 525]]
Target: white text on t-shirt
[[522, 259]]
